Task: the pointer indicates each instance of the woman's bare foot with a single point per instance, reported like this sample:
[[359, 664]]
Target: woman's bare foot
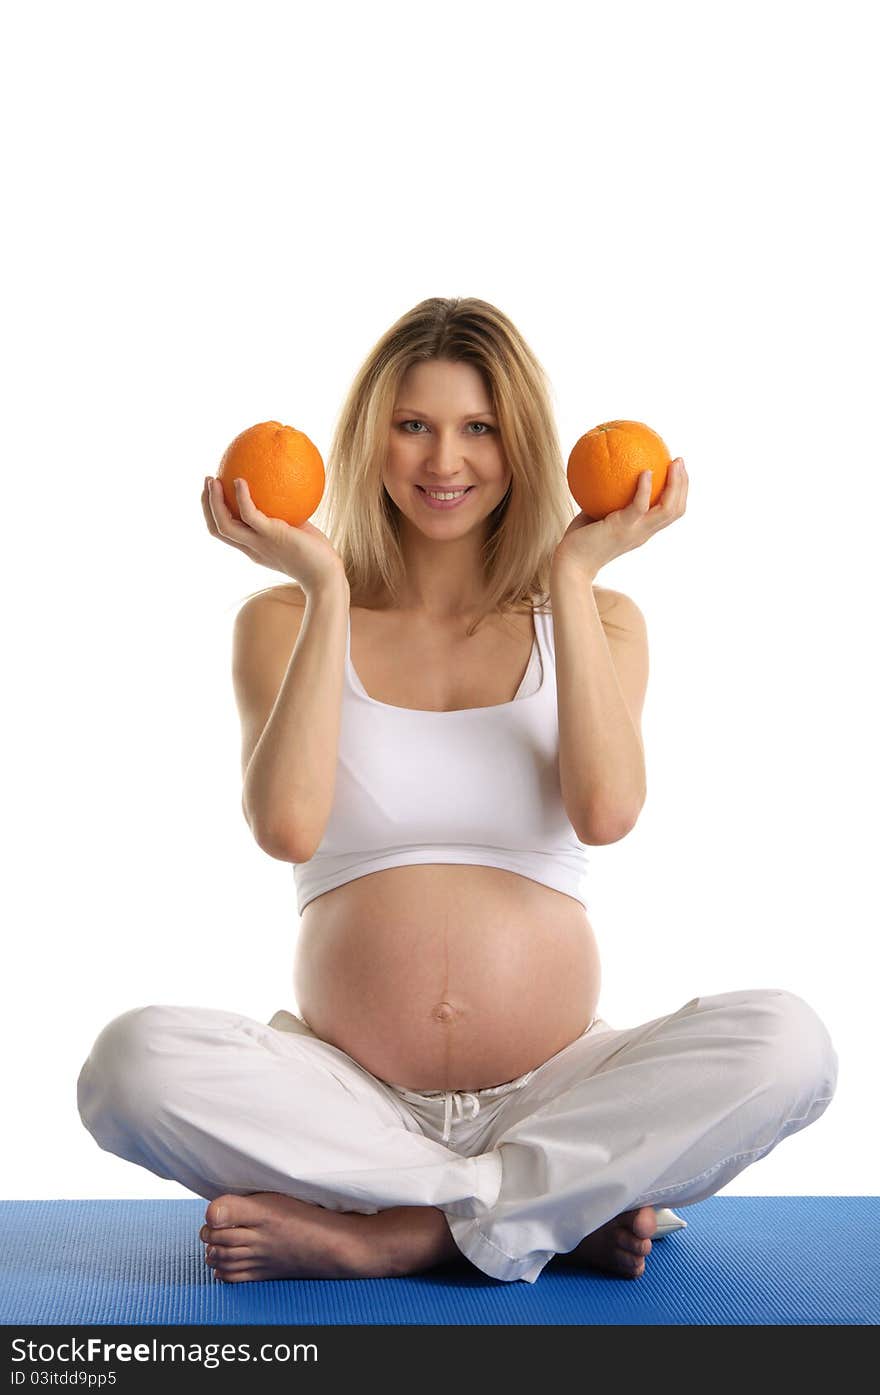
[[270, 1236], [620, 1246], [267, 1235]]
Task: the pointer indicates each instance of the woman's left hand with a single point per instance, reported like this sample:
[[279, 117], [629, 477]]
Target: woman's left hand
[[588, 543]]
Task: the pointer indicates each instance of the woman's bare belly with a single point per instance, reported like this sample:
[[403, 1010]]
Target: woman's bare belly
[[442, 977]]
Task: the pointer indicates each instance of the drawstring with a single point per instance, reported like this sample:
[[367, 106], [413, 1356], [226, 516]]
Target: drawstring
[[455, 1104], [460, 1104]]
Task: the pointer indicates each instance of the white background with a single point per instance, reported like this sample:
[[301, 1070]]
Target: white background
[[213, 212]]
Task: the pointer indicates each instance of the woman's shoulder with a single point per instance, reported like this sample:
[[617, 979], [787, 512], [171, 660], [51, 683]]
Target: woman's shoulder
[[273, 616], [616, 603]]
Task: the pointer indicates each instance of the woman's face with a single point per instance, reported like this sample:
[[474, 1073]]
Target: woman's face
[[444, 437]]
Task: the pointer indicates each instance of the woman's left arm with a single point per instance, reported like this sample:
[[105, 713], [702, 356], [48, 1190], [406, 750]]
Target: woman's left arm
[[602, 676], [601, 679]]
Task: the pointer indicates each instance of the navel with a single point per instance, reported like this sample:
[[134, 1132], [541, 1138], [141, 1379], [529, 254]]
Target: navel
[[443, 1012]]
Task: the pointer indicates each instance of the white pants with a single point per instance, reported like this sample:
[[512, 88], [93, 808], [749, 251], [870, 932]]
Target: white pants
[[664, 1114]]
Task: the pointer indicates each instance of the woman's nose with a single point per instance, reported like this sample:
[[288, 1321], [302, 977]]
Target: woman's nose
[[446, 457]]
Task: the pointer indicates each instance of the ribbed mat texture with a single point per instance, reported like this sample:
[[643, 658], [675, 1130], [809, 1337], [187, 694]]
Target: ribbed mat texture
[[742, 1260]]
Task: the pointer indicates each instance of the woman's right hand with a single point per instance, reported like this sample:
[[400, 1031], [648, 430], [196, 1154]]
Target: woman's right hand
[[301, 552]]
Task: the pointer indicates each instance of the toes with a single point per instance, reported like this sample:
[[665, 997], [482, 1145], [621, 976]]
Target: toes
[[234, 1210], [643, 1222], [224, 1254], [234, 1266], [217, 1213], [246, 1276], [227, 1235], [629, 1265], [249, 1209], [621, 1253], [240, 1270], [625, 1240]]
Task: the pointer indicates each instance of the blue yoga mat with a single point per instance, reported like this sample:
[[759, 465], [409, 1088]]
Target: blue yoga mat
[[742, 1260]]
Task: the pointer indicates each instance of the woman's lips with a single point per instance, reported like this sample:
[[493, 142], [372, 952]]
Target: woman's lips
[[443, 503]]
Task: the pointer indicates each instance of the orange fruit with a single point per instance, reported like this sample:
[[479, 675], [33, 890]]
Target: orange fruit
[[283, 469], [605, 464]]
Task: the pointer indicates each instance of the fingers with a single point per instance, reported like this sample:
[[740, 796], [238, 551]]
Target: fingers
[[224, 521], [678, 493], [248, 511], [206, 507], [217, 504], [246, 506], [220, 521], [671, 504]]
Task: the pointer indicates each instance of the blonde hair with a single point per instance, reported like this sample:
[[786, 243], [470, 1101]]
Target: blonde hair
[[359, 517]]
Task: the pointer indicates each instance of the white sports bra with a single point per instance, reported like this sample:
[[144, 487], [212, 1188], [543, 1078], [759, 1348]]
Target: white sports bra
[[479, 785]]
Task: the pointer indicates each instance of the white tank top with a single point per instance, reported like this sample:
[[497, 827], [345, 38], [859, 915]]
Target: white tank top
[[479, 786]]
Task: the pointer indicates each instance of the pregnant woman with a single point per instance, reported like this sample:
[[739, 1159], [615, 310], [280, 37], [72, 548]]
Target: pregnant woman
[[440, 713]]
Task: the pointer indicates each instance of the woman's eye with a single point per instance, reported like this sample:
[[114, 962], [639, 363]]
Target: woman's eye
[[415, 422]]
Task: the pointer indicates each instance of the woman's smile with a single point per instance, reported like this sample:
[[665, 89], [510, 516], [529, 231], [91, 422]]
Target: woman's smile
[[443, 498]]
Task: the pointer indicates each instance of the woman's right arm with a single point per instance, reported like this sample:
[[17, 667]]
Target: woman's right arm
[[288, 662]]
